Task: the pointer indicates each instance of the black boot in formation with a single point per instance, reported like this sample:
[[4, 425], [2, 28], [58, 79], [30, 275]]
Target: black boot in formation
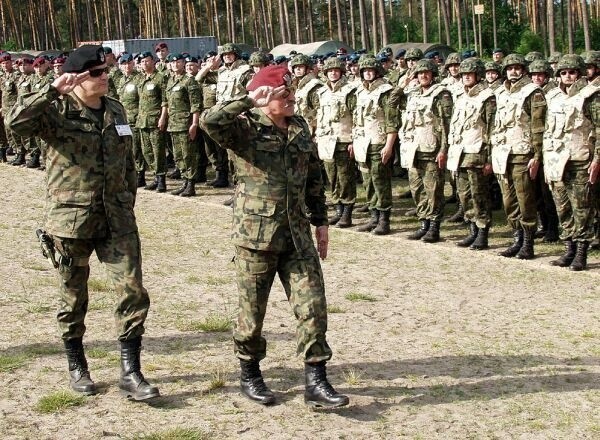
[[133, 385], [319, 392], [252, 384], [81, 381]]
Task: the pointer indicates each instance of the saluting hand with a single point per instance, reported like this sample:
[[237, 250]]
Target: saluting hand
[[68, 81], [265, 94]]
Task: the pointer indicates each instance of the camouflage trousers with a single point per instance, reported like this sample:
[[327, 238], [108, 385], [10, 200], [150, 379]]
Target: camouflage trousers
[[544, 200], [426, 182], [518, 197], [573, 199], [377, 179], [473, 190], [3, 138], [123, 261], [341, 175], [11, 138], [154, 149], [302, 280], [199, 146], [186, 156], [216, 155], [138, 154]]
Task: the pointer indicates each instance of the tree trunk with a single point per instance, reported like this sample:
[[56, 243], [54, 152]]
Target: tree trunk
[[374, 28], [424, 20], [586, 25], [352, 24], [338, 14], [383, 21], [570, 27], [364, 31], [297, 27]]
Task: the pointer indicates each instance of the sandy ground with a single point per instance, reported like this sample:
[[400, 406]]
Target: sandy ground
[[430, 341]]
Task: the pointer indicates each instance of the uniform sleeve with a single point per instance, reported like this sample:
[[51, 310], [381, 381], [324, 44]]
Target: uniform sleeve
[[226, 125], [30, 114], [489, 114], [535, 105], [442, 108], [163, 90], [315, 191], [195, 96], [398, 98], [392, 115]]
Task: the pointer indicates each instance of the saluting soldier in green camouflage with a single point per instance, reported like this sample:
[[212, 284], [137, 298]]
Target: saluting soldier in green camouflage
[[572, 157], [469, 151], [184, 102], [279, 178], [517, 151], [91, 188], [152, 120]]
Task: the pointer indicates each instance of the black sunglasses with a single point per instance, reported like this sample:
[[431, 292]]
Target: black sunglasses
[[570, 72], [98, 72]]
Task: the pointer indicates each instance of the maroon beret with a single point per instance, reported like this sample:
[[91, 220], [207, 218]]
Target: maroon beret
[[39, 61], [273, 76], [59, 61], [5, 57], [23, 60], [159, 46]]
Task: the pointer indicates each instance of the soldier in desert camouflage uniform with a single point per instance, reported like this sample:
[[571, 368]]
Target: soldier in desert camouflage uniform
[[279, 178], [91, 188]]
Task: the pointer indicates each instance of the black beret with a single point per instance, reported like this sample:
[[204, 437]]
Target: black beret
[[125, 58], [145, 54], [401, 53], [84, 58], [107, 50]]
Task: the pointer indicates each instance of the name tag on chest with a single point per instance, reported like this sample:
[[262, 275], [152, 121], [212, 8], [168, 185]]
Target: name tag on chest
[[124, 130]]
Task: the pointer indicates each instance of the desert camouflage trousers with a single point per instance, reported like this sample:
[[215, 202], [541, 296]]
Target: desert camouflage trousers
[[302, 280], [426, 182], [154, 149], [122, 259], [474, 194], [377, 179], [341, 174], [573, 197], [518, 197], [185, 152]]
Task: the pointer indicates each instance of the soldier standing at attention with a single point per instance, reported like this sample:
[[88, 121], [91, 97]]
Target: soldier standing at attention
[[306, 84], [334, 136], [114, 74], [184, 101], [152, 120], [162, 53], [572, 157], [91, 192], [8, 88], [279, 178], [374, 133], [517, 151], [424, 147], [25, 85], [470, 154]]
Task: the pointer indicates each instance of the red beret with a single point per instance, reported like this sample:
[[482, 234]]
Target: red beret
[[5, 57], [39, 61], [21, 61], [58, 61], [159, 46], [273, 76]]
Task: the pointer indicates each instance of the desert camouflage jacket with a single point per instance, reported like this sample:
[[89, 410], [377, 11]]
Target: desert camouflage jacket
[[91, 178], [278, 173]]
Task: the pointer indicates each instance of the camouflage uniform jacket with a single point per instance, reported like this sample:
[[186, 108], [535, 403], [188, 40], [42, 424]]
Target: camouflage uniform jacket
[[25, 83], [9, 90], [208, 86], [40, 81], [151, 89], [91, 178], [307, 102], [278, 176], [114, 77], [183, 98], [127, 90]]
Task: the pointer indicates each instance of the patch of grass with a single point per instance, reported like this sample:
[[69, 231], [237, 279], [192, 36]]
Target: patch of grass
[[32, 307], [352, 376], [357, 296], [59, 401], [334, 309], [212, 280], [44, 350], [217, 379], [192, 279], [99, 285], [213, 323], [37, 266], [10, 363], [96, 353], [175, 434]]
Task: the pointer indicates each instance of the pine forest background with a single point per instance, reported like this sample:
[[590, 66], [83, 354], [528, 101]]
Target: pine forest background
[[515, 25]]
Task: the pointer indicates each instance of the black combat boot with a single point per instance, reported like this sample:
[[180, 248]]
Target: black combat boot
[[458, 216], [346, 220], [252, 384], [10, 151], [433, 234], [141, 179], [132, 383], [371, 224], [580, 261], [190, 189], [339, 210], [81, 381], [318, 391], [222, 180], [469, 239], [514, 248], [542, 221], [3, 158], [153, 185], [566, 259], [161, 186], [526, 251], [419, 233], [363, 208], [383, 225], [34, 161], [175, 174], [18, 160], [481, 242], [179, 190]]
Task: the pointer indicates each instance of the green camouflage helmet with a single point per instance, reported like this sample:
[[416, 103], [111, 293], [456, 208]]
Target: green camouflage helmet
[[512, 59], [301, 60], [472, 65], [491, 65], [554, 57], [570, 61], [540, 66], [425, 66], [230, 48], [532, 56], [413, 54], [370, 62], [592, 57], [333, 63], [258, 59], [453, 58]]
